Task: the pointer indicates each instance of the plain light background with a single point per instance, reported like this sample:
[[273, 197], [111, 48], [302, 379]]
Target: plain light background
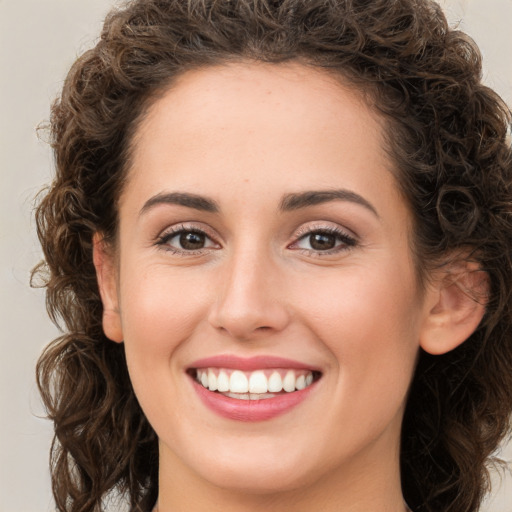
[[39, 40]]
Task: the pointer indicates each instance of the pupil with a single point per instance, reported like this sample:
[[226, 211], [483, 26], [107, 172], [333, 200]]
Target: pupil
[[322, 241], [192, 240]]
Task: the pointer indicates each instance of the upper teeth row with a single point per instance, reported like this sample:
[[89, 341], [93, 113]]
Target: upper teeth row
[[253, 382]]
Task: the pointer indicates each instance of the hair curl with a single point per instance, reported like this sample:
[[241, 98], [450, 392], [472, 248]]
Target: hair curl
[[454, 165]]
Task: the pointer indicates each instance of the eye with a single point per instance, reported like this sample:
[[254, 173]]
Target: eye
[[186, 240], [326, 240]]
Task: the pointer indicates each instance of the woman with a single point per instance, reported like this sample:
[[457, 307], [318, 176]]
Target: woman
[[279, 239]]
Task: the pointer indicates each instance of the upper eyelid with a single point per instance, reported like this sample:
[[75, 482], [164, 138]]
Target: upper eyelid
[[308, 228], [186, 226]]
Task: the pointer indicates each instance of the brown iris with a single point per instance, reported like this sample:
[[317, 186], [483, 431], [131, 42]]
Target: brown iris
[[192, 240], [322, 241]]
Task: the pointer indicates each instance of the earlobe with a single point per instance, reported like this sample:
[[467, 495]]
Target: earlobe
[[106, 275], [455, 307]]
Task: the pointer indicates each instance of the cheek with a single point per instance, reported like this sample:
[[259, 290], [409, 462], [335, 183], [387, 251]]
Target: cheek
[[159, 312], [369, 320]]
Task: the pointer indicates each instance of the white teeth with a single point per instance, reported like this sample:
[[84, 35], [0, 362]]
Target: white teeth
[[275, 383], [289, 381], [250, 396], [238, 382], [258, 383], [212, 381], [261, 396], [223, 382], [239, 396], [300, 383]]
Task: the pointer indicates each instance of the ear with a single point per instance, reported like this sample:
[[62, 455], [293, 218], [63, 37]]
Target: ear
[[455, 304], [106, 269]]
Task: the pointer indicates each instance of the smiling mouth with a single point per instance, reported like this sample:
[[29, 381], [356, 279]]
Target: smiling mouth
[[253, 385]]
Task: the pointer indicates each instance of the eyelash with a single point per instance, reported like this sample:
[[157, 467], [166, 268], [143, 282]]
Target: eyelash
[[347, 241], [164, 239]]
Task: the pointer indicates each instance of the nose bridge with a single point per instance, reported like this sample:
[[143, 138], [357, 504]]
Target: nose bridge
[[249, 301]]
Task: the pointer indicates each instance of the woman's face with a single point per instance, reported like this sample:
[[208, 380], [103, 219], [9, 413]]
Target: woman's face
[[263, 242]]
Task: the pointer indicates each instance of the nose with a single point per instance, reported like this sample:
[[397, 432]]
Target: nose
[[249, 302]]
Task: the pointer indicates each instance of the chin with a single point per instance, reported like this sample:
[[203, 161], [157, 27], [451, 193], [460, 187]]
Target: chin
[[253, 469], [263, 479]]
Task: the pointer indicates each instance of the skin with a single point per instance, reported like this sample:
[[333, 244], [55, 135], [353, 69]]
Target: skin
[[245, 136]]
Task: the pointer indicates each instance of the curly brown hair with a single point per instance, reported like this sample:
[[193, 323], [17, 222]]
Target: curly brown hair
[[448, 139]]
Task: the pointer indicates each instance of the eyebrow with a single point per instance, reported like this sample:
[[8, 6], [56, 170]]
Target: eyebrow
[[290, 202], [311, 198], [182, 199]]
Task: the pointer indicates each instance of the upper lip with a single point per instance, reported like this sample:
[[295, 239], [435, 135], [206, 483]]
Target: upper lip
[[250, 363]]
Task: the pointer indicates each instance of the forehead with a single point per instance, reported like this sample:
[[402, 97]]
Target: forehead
[[285, 127], [242, 83], [258, 110]]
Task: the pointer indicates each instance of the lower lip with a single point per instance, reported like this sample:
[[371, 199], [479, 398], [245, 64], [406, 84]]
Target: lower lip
[[251, 410]]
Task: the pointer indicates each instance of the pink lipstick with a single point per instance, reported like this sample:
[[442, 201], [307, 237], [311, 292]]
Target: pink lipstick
[[252, 389]]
